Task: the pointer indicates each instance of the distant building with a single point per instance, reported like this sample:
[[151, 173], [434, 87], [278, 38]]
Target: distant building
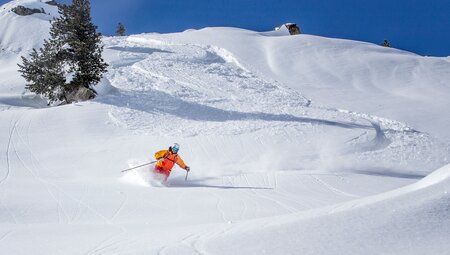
[[292, 27]]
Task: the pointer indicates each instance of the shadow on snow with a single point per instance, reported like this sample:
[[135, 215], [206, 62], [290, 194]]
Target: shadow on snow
[[142, 50], [161, 103], [200, 184]]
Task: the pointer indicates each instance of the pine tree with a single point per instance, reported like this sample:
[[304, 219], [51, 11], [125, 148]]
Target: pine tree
[[71, 59], [45, 72], [81, 43], [120, 30]]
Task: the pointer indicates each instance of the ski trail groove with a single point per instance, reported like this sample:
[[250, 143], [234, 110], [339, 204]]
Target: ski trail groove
[[100, 246], [78, 211], [45, 183], [79, 201], [3, 237], [37, 177], [333, 189], [8, 163], [283, 194], [218, 206], [122, 204], [288, 208], [10, 213]]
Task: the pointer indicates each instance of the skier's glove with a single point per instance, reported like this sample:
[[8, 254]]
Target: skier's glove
[[188, 168]]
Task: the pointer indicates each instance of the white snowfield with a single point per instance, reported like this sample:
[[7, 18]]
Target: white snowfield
[[277, 165]]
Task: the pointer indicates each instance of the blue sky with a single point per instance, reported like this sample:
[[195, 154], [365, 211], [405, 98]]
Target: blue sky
[[419, 26]]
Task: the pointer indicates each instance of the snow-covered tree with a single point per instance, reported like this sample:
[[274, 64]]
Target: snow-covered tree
[[75, 47]]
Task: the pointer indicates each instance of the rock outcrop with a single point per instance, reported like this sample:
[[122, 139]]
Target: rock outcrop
[[81, 94], [24, 11], [293, 28]]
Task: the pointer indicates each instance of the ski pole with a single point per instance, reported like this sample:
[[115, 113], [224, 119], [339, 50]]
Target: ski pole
[[185, 179], [139, 166]]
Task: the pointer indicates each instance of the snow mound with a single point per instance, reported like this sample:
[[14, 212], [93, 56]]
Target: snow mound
[[104, 87], [402, 217]]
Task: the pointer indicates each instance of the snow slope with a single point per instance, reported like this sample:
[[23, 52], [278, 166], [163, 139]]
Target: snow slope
[[346, 74], [24, 33], [272, 171], [402, 218], [18, 36]]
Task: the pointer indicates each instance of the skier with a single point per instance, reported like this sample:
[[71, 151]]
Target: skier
[[167, 159]]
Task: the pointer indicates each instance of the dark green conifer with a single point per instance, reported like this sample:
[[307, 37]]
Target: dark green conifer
[[120, 30], [75, 48], [45, 73]]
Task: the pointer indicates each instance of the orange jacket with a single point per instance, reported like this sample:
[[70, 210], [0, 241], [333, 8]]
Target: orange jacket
[[167, 159]]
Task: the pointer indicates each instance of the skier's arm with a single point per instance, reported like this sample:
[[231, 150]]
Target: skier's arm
[[180, 163]]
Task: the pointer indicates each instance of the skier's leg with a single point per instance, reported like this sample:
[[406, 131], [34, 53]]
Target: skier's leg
[[166, 176], [157, 169], [158, 174], [161, 175]]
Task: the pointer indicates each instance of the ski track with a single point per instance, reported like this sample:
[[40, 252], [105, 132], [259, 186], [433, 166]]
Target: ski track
[[4, 236], [122, 204], [13, 216], [286, 195], [333, 189], [8, 163], [218, 206], [36, 176], [258, 194], [44, 182], [103, 245], [49, 185]]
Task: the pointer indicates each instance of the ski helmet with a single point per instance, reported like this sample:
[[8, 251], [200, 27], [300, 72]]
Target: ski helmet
[[175, 148]]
